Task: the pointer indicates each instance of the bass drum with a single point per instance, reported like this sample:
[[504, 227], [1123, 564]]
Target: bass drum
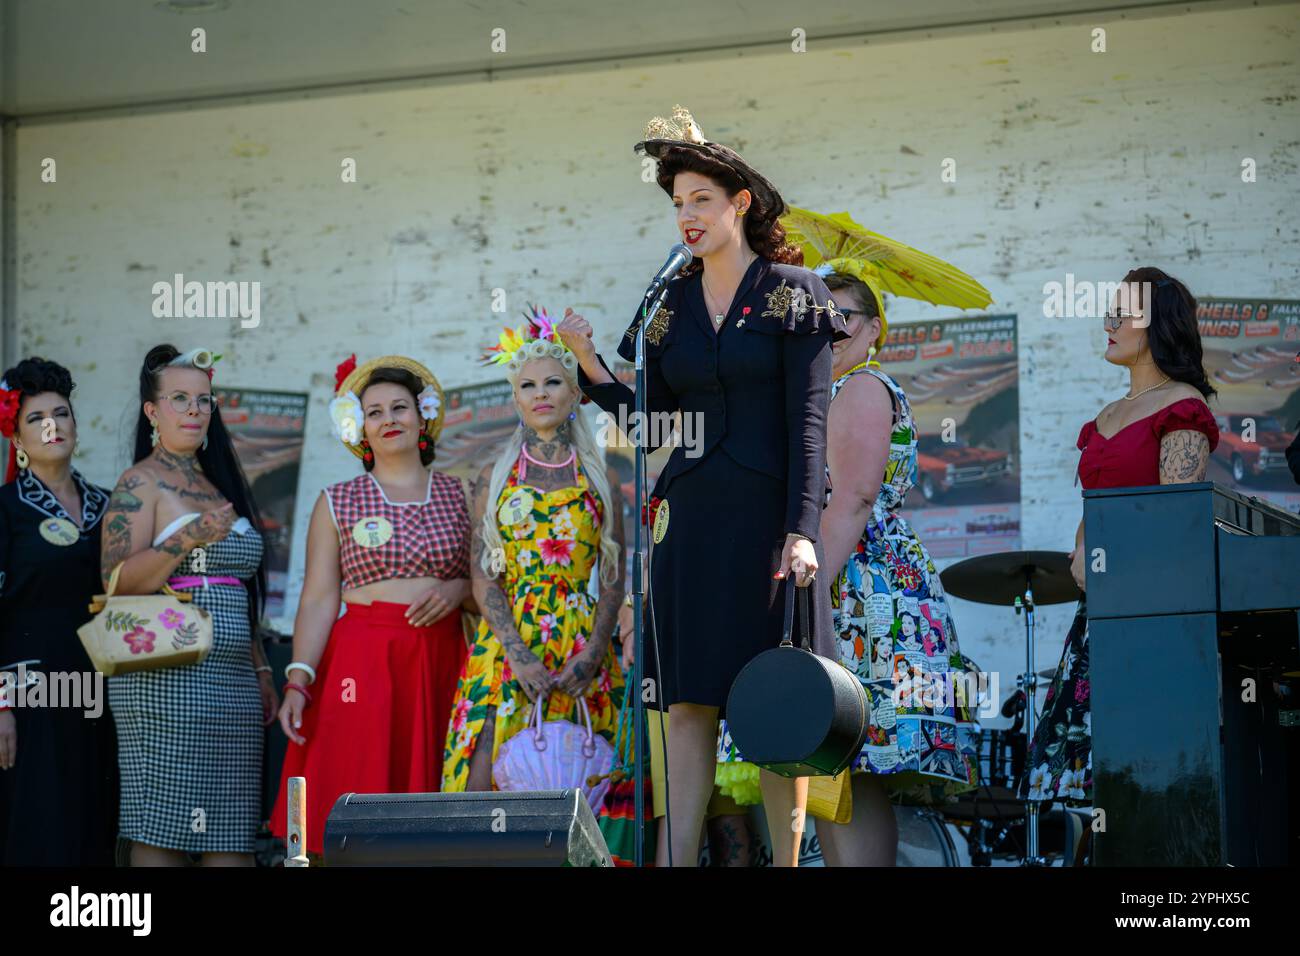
[[923, 838]]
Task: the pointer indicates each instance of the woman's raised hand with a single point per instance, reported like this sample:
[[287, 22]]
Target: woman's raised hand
[[575, 332]]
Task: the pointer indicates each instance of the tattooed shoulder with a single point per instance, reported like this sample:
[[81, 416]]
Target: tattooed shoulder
[[1184, 456], [124, 496], [129, 503]]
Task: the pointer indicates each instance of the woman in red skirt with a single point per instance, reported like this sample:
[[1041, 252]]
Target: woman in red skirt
[[369, 693]]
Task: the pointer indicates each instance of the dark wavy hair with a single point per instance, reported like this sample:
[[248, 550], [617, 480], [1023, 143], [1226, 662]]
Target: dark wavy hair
[[218, 461], [387, 374], [34, 375], [1172, 333], [763, 228]]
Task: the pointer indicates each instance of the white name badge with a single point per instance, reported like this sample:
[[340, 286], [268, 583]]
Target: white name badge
[[516, 508], [372, 532], [60, 531], [661, 522]]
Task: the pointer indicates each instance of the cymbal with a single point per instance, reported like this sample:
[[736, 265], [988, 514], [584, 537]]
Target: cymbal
[[1000, 578]]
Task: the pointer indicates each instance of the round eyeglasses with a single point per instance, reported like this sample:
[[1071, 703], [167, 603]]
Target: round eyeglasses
[[182, 402]]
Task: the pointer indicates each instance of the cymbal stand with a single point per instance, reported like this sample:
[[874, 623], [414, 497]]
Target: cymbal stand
[[1028, 682]]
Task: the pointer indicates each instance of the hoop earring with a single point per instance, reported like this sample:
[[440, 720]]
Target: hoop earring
[[21, 458], [153, 437]]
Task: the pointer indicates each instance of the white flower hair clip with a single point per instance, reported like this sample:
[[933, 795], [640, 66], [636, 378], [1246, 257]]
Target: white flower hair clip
[[429, 402], [196, 358]]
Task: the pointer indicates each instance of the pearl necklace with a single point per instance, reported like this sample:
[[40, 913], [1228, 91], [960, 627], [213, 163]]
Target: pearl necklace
[[1129, 398]]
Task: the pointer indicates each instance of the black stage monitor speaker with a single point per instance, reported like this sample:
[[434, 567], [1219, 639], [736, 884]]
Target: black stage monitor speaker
[[496, 828]]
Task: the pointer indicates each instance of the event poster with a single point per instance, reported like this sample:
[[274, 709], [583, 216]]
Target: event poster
[[267, 430], [479, 419], [961, 377], [1252, 357]]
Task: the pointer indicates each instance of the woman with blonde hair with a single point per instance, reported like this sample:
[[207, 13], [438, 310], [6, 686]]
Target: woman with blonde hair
[[547, 567]]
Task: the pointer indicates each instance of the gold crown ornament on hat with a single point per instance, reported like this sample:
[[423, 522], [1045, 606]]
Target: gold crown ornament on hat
[[662, 136], [682, 127], [350, 379]]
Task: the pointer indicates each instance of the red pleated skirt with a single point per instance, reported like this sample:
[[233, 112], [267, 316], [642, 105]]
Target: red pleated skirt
[[379, 713]]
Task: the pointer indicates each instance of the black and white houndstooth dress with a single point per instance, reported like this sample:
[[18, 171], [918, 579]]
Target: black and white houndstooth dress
[[190, 738]]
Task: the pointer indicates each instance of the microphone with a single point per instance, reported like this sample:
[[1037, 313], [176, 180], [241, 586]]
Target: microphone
[[679, 257]]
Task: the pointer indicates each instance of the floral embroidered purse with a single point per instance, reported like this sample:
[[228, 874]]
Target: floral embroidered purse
[[143, 632]]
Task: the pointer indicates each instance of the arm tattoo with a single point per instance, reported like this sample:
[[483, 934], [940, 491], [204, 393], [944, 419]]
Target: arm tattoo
[[123, 505], [611, 597], [171, 546], [122, 498], [1184, 456], [496, 609], [117, 545]]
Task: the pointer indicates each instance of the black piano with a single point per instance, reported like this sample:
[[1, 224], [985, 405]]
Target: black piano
[[1195, 674]]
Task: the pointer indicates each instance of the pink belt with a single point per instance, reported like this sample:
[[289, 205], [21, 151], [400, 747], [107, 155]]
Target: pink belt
[[202, 580]]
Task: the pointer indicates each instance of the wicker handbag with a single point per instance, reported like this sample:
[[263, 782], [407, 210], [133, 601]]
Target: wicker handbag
[[144, 632]]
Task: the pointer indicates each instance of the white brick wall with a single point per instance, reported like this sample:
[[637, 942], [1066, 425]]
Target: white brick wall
[[1066, 161]]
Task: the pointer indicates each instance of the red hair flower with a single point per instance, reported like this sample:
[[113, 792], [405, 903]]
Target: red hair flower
[[344, 369]]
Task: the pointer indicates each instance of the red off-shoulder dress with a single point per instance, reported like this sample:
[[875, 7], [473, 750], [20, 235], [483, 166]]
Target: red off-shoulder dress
[[1132, 455]]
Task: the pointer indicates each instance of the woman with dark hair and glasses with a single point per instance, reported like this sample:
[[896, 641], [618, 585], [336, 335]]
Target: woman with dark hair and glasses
[[58, 782], [743, 344], [190, 738], [1160, 432]]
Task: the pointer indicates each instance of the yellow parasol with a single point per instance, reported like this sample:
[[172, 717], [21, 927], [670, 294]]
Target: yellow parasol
[[882, 263]]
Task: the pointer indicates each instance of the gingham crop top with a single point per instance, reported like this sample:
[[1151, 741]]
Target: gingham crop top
[[380, 539]]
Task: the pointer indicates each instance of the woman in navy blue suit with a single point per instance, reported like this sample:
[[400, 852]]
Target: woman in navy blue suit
[[742, 344]]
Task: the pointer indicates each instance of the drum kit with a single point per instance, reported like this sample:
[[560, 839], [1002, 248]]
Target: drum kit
[[991, 817]]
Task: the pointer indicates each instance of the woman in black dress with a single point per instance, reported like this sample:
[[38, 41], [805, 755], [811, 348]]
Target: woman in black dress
[[741, 345], [58, 785]]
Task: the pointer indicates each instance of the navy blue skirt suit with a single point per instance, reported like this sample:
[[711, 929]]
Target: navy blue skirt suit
[[760, 386]]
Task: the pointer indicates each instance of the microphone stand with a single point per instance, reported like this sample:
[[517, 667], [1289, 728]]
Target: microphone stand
[[641, 571]]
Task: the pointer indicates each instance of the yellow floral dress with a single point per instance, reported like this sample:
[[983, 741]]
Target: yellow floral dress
[[552, 544]]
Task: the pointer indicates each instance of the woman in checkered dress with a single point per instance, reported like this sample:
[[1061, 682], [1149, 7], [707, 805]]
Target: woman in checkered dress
[[190, 737], [369, 693]]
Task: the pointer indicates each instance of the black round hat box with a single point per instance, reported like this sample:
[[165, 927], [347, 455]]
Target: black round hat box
[[795, 713]]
